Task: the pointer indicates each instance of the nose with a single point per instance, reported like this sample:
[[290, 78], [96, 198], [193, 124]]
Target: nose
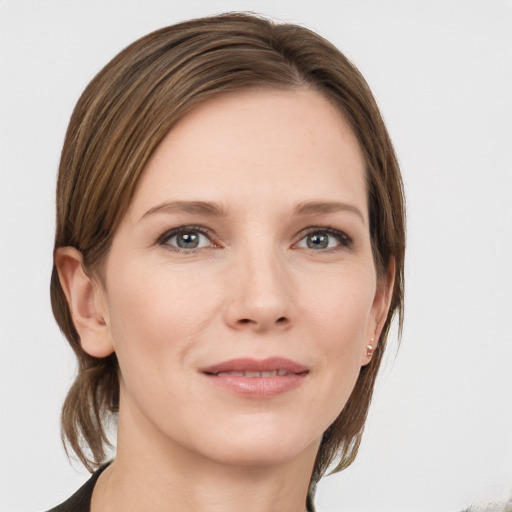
[[260, 295]]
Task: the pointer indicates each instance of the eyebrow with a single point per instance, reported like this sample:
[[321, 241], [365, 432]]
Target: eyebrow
[[207, 208], [322, 207], [212, 209]]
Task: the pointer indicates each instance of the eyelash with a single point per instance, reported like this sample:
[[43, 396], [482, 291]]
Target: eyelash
[[344, 241], [168, 235]]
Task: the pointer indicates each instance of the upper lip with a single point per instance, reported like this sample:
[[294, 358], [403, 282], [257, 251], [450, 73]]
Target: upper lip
[[256, 365]]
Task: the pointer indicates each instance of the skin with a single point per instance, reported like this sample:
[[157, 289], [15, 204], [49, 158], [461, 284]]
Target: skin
[[255, 286]]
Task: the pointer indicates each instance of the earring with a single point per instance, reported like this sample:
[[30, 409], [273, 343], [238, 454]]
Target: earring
[[369, 349]]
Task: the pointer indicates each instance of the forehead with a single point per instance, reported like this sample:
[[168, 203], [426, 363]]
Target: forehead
[[253, 146]]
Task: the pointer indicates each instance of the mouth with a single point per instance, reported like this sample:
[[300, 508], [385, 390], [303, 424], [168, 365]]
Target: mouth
[[248, 373], [252, 378]]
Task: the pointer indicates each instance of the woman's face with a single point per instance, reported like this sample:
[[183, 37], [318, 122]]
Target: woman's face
[[245, 249]]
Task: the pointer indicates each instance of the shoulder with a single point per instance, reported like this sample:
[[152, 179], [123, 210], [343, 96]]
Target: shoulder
[[81, 500]]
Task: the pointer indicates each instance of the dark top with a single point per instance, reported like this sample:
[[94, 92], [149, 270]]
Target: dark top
[[81, 500]]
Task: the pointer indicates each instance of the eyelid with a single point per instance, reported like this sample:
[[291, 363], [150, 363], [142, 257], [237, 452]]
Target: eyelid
[[345, 241], [170, 233]]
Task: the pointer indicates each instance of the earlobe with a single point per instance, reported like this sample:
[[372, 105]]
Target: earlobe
[[380, 309], [86, 302]]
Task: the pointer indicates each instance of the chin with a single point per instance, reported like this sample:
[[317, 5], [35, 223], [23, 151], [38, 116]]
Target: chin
[[258, 456], [261, 445]]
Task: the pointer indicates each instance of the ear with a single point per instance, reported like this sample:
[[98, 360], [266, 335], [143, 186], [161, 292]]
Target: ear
[[86, 302], [379, 311]]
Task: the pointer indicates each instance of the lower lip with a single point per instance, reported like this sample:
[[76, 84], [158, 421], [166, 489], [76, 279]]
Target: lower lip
[[258, 387]]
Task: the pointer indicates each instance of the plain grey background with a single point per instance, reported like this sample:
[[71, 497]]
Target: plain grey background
[[439, 432]]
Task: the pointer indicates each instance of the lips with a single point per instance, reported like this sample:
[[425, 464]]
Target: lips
[[273, 373], [253, 378], [272, 364]]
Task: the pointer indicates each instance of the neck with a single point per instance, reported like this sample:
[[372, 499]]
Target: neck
[[151, 473]]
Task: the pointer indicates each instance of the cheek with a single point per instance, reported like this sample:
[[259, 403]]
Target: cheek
[[339, 321], [340, 306], [155, 315]]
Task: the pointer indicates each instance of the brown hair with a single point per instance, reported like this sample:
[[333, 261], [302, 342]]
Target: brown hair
[[120, 119]]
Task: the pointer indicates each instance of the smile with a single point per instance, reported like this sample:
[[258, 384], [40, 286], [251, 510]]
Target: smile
[[274, 373], [251, 378]]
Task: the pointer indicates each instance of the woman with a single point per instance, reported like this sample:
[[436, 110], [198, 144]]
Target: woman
[[228, 260]]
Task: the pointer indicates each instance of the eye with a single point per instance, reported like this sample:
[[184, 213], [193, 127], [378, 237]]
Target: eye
[[324, 239], [186, 238]]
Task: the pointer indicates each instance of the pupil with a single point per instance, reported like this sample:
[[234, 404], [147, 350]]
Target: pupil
[[318, 241], [188, 240]]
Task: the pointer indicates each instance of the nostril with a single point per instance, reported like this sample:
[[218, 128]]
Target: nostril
[[281, 320]]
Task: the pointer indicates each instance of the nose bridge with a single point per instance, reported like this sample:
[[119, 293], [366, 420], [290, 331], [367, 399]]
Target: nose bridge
[[261, 288]]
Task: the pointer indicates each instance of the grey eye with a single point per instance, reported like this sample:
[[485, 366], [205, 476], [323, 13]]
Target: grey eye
[[324, 239], [317, 241], [187, 239]]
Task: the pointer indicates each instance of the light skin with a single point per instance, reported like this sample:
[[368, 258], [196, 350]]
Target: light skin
[[272, 259]]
